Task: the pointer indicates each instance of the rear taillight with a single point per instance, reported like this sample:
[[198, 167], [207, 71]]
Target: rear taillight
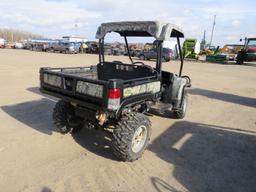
[[114, 93], [114, 96]]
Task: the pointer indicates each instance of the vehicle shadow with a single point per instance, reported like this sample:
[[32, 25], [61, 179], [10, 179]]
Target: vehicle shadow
[[95, 141], [165, 114], [37, 115], [231, 98], [162, 186], [208, 157]]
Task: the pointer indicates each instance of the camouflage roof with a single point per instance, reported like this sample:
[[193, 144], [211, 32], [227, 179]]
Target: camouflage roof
[[158, 30]]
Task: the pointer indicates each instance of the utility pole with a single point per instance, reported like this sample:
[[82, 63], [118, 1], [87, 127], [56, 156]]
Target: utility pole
[[203, 42], [213, 26], [76, 28]]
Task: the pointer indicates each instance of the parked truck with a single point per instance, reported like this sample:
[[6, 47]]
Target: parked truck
[[167, 54], [65, 47]]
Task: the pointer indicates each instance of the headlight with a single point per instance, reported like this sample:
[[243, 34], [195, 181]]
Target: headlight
[[89, 89], [52, 80]]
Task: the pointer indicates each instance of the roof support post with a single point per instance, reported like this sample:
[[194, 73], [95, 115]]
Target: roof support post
[[127, 47], [159, 57], [101, 51], [181, 56], [100, 60]]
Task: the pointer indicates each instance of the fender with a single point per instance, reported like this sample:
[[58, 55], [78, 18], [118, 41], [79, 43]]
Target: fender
[[174, 92], [178, 87]]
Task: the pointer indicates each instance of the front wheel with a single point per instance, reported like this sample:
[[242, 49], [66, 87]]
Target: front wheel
[[131, 136]]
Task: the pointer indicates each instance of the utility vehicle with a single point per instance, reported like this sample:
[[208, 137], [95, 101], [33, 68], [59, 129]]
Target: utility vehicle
[[113, 96]]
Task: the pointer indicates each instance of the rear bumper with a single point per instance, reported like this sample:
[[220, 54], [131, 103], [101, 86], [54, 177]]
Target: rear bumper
[[84, 109], [71, 99]]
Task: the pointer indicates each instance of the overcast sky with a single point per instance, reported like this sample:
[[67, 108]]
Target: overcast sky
[[55, 18]]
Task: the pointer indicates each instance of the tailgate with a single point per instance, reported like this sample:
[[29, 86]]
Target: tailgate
[[74, 83]]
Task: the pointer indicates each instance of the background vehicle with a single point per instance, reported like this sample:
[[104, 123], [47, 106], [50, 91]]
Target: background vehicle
[[108, 49], [10, 45], [2, 43], [231, 50], [214, 55], [134, 48], [18, 45], [65, 47], [173, 46], [248, 52], [118, 48], [191, 48], [93, 47], [39, 44], [149, 46], [167, 54], [113, 96]]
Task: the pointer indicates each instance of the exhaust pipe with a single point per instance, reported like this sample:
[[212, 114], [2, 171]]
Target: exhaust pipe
[[101, 117]]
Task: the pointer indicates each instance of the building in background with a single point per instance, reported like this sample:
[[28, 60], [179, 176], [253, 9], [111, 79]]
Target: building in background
[[74, 39]]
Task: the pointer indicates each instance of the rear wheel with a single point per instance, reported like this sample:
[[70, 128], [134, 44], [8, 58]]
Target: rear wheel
[[131, 136], [63, 114]]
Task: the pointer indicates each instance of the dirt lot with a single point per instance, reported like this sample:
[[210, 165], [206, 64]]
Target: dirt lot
[[212, 149]]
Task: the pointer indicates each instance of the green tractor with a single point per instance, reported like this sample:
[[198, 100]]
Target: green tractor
[[191, 48]]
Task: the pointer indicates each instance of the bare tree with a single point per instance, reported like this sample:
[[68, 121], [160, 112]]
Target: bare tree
[[13, 35]]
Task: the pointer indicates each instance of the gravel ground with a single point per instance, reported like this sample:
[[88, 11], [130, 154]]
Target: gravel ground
[[212, 149]]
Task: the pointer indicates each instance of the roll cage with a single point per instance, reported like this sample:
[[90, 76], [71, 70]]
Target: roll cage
[[159, 30]]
